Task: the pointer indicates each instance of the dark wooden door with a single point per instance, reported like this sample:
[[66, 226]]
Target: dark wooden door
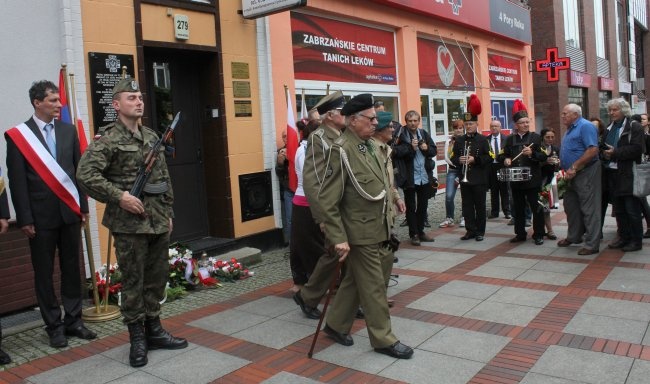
[[173, 85]]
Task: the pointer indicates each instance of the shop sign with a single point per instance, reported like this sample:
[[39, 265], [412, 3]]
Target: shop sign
[[579, 79], [330, 50], [444, 66], [552, 64], [252, 9], [502, 17], [505, 73], [605, 84]]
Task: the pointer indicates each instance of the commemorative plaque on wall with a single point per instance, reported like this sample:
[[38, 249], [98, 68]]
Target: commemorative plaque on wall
[[105, 72]]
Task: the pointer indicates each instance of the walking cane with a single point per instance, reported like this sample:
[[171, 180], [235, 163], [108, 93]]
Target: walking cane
[[327, 302]]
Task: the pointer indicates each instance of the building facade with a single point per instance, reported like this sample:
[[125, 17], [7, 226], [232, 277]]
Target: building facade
[[606, 42]]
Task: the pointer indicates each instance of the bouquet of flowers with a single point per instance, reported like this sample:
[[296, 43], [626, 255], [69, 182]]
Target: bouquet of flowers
[[545, 199], [115, 283], [562, 183], [229, 270], [184, 271]]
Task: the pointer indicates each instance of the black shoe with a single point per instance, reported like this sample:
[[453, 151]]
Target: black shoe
[[158, 338], [468, 235], [415, 240], [479, 238], [617, 244], [57, 338], [81, 332], [538, 240], [512, 221], [518, 239], [632, 247], [508, 216], [426, 223], [404, 223], [4, 358], [138, 350], [426, 238], [397, 350], [341, 338], [311, 313], [360, 314]]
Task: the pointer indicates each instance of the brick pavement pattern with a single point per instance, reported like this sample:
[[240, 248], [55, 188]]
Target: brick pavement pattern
[[476, 312]]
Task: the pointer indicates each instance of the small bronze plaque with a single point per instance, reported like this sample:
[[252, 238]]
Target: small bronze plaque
[[241, 88], [243, 108], [240, 70]]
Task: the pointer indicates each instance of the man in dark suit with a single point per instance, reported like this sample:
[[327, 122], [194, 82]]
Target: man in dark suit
[[4, 225], [497, 188], [42, 158]]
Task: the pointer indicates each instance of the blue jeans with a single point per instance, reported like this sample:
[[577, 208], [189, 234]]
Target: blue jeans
[[287, 206], [450, 191]]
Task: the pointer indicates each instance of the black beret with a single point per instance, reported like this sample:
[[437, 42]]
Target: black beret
[[332, 101], [358, 103]]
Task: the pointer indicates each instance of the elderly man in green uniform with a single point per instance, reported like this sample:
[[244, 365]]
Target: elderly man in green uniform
[[314, 172], [354, 201], [141, 227]]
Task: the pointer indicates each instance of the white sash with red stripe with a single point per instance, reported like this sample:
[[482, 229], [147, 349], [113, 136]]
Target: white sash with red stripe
[[45, 165]]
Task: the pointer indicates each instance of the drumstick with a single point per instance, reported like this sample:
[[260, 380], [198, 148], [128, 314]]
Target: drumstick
[[522, 151]]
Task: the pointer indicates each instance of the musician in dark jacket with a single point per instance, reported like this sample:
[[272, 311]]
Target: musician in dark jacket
[[524, 149], [471, 155]]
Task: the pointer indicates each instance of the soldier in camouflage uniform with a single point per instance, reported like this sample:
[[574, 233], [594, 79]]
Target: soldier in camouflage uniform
[[141, 228]]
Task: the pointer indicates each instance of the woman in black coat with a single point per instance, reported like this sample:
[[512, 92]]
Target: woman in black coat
[[548, 170]]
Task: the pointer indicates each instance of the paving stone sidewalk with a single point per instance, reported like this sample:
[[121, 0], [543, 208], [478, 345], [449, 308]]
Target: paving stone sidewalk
[[476, 312]]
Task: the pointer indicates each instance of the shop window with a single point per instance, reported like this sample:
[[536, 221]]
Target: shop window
[[603, 98], [579, 96]]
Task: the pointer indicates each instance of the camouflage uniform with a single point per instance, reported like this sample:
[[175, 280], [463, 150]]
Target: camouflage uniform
[[107, 169]]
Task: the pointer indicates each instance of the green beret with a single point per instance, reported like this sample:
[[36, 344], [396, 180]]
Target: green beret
[[358, 103], [332, 101], [384, 119], [126, 85]]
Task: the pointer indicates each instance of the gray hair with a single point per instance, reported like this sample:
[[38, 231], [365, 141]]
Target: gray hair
[[622, 104], [575, 108]]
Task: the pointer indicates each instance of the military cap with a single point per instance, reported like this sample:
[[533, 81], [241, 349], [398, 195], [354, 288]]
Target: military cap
[[358, 103], [384, 119], [128, 84], [332, 101], [473, 108]]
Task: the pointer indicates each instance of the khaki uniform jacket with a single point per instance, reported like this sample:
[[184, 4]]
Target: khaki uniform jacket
[[316, 166], [109, 167], [348, 215], [386, 151]]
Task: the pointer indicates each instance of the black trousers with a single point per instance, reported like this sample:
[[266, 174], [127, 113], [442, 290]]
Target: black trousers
[[474, 207], [416, 199], [628, 218], [519, 198], [498, 189], [43, 246]]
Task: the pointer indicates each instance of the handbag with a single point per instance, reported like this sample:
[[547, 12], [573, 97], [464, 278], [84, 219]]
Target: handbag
[[641, 179]]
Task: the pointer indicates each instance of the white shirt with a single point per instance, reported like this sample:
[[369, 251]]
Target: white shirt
[[299, 163], [41, 127]]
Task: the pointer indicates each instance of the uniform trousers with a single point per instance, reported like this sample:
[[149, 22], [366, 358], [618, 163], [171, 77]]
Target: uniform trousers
[[519, 199], [363, 283], [143, 260], [474, 207], [582, 206], [43, 246]]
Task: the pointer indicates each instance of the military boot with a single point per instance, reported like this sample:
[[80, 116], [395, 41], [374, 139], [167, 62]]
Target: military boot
[[157, 337], [138, 351]]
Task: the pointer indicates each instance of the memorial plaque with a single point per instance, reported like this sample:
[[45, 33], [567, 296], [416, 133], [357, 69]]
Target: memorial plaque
[[241, 88], [240, 70], [243, 108], [105, 72]]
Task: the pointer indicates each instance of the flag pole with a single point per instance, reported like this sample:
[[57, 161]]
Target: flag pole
[[327, 91]]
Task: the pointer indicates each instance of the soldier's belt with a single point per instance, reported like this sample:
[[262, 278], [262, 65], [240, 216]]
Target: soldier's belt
[[156, 188]]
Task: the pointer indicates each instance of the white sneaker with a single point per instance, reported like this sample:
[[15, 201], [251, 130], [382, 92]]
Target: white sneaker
[[449, 222], [462, 222]]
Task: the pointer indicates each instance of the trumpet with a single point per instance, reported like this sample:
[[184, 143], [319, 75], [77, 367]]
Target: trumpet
[[466, 163]]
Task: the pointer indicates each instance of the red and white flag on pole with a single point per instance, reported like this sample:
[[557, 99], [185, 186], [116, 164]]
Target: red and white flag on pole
[[304, 115], [292, 143]]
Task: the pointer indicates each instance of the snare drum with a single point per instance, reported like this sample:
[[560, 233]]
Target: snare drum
[[514, 174]]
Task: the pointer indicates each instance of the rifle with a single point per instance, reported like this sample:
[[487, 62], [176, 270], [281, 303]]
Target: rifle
[[145, 169]]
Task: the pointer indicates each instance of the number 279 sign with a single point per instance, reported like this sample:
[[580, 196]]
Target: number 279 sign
[[181, 27]]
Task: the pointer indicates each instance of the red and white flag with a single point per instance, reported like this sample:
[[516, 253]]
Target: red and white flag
[[292, 143]]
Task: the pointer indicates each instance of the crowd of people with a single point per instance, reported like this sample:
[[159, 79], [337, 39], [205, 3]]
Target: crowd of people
[[354, 160]]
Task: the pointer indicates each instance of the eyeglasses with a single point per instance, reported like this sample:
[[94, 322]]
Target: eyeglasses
[[371, 118]]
